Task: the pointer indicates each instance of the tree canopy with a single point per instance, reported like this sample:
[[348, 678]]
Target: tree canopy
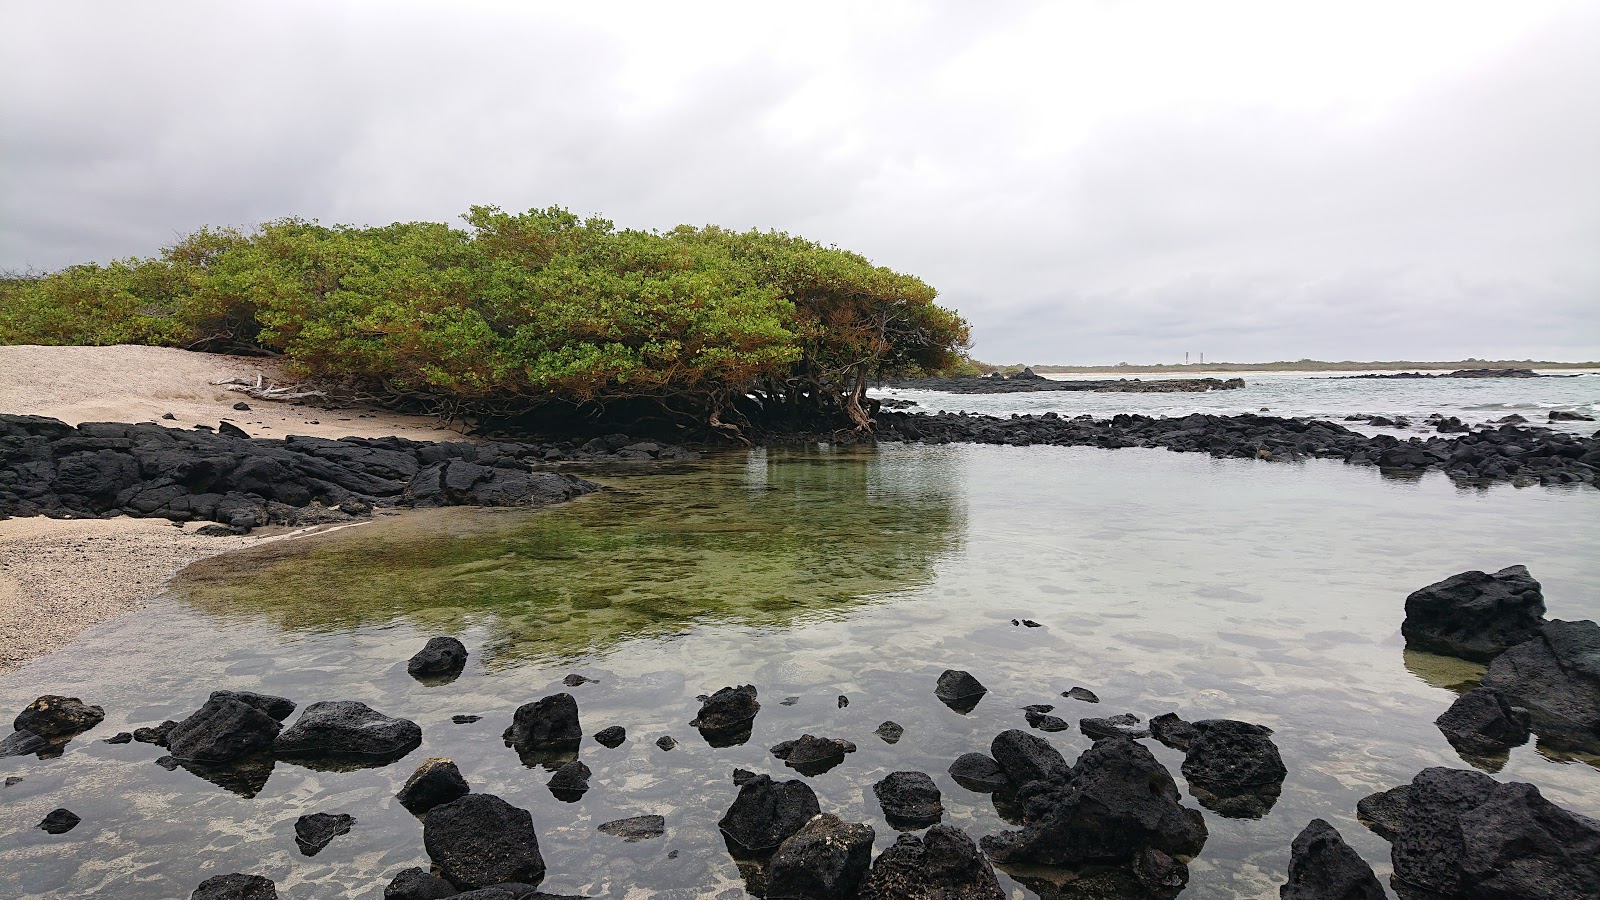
[[534, 314]]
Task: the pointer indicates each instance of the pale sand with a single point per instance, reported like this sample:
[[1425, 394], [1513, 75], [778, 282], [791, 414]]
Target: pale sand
[[59, 577]]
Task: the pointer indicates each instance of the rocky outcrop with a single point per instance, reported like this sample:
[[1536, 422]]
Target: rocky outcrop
[[104, 468], [236, 886], [1118, 803], [550, 723], [442, 656], [910, 800], [348, 730], [1506, 453], [824, 860], [224, 729], [1556, 677], [767, 812], [1462, 835], [1475, 615], [480, 840], [943, 864], [437, 781], [1323, 867], [1027, 382], [314, 832], [1483, 726]]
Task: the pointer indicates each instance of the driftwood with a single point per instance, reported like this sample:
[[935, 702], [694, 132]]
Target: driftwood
[[262, 390]]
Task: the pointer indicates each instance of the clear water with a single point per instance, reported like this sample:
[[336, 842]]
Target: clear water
[[1214, 588], [1318, 394]]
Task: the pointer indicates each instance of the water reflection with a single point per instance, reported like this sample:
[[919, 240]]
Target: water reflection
[[770, 537]]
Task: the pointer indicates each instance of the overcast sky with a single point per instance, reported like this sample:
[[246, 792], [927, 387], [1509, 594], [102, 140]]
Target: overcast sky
[[1087, 183]]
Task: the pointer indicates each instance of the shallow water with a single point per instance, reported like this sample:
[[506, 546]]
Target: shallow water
[[1215, 588], [1324, 395]]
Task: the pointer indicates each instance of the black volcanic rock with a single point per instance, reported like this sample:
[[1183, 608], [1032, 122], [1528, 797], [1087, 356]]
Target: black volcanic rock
[[1173, 731], [314, 832], [1234, 768], [812, 755], [54, 717], [635, 828], [417, 884], [1323, 867], [891, 732], [236, 886], [278, 708], [1482, 724], [1026, 758], [223, 729], [955, 686], [479, 841], [767, 812], [728, 711], [155, 734], [348, 729], [824, 860], [979, 772], [1556, 677], [943, 864], [1474, 615], [441, 656], [550, 723], [909, 799], [436, 781], [59, 821], [611, 737], [570, 781]]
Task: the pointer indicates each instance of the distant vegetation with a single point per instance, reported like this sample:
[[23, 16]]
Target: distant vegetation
[[539, 317]]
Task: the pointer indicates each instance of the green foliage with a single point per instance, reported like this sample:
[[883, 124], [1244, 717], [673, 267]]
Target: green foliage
[[519, 311]]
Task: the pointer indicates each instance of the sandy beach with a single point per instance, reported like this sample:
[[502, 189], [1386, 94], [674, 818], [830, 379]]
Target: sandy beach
[[59, 577]]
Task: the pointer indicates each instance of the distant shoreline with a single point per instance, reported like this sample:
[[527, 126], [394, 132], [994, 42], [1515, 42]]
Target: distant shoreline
[[1315, 365]]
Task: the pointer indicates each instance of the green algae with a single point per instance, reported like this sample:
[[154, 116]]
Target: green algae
[[763, 538]]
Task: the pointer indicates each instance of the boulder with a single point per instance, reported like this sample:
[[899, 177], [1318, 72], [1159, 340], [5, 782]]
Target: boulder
[[1046, 723], [1081, 693], [1323, 867], [570, 781], [943, 864], [1119, 802], [891, 732], [1234, 768], [1026, 758], [59, 821], [636, 828], [436, 781], [480, 840], [55, 718], [1556, 677], [279, 708], [611, 737], [666, 742], [909, 799], [22, 743], [313, 832], [729, 709], [223, 729], [1461, 834], [1112, 726], [979, 772], [1173, 731], [1475, 615], [236, 886], [550, 723], [348, 729], [417, 884], [959, 690], [813, 755], [824, 860], [767, 812], [1483, 725], [441, 656]]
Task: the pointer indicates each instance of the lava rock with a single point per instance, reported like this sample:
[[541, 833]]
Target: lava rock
[[1119, 803], [54, 717], [891, 732], [570, 781], [312, 833], [24, 742], [812, 755], [1081, 693], [666, 742], [943, 864], [441, 656], [730, 709], [465, 720], [1112, 726], [824, 860], [222, 730], [437, 781], [1044, 722], [956, 687], [767, 812], [740, 776], [1461, 834], [550, 723], [1027, 758], [636, 828], [236, 886], [909, 799], [416, 884], [1234, 768], [1173, 731], [279, 708], [479, 841], [843, 701], [1323, 867], [155, 734], [59, 821], [1475, 615], [121, 737], [979, 772], [612, 737], [576, 680], [1482, 724], [1556, 677], [348, 729]]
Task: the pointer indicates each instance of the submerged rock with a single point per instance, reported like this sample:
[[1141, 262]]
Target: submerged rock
[[416, 884], [550, 723], [812, 755], [1119, 802], [636, 828], [436, 781], [59, 821], [767, 812], [1475, 615], [1556, 677], [1173, 731], [978, 772], [1081, 693], [959, 690], [236, 886], [891, 732], [24, 742], [1483, 726], [58, 718], [909, 799], [570, 781], [480, 840], [666, 742], [612, 737], [348, 729], [121, 737], [1047, 723], [824, 860], [1323, 867], [1461, 834], [441, 656], [155, 734], [224, 729], [1234, 768], [1112, 726], [314, 832], [943, 864]]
